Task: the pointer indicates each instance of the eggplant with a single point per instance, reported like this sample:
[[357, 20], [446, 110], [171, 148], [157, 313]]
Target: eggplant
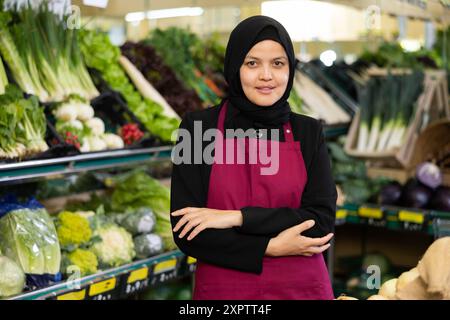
[[415, 194], [441, 199], [390, 194]]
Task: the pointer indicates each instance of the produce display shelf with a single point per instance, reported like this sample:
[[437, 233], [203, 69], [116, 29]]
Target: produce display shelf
[[85, 162], [119, 282], [435, 223], [26, 170]]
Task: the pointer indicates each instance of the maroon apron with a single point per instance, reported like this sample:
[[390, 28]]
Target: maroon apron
[[234, 186]]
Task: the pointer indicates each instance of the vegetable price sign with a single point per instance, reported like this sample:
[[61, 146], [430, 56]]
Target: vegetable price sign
[[372, 216], [412, 220], [191, 264], [135, 281], [75, 295], [103, 290], [164, 271], [367, 212]]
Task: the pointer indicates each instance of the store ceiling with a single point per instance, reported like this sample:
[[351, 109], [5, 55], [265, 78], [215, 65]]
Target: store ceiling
[[119, 8]]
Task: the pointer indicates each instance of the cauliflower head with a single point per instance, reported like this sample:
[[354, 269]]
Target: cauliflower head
[[73, 229], [116, 246], [86, 260]]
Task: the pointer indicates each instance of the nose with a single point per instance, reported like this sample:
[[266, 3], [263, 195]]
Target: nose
[[266, 73]]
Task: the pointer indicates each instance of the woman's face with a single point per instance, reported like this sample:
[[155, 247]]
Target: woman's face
[[265, 73]]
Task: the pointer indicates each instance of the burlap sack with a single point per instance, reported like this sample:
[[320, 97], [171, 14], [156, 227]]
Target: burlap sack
[[434, 268]]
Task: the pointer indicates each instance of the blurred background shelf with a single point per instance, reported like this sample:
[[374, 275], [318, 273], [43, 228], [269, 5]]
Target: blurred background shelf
[[27, 170]]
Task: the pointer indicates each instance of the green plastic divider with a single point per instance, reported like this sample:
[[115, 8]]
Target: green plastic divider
[[112, 161], [31, 171]]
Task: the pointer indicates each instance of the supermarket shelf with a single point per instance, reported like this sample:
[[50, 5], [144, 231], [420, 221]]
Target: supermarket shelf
[[27, 170], [85, 162], [434, 223], [119, 282]]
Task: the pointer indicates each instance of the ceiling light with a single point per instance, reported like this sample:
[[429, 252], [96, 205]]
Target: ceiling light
[[175, 12], [96, 3]]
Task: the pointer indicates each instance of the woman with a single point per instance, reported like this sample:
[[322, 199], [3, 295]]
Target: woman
[[256, 236]]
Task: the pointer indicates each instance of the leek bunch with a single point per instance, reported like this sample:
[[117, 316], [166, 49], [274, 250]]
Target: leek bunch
[[43, 55], [387, 106]]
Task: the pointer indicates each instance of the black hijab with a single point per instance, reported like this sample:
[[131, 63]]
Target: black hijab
[[246, 34]]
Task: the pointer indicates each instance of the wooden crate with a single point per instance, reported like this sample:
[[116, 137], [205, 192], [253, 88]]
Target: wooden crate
[[432, 143], [432, 105]]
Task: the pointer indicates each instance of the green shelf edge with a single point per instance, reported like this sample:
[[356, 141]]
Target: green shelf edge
[[33, 170], [64, 287], [395, 225]]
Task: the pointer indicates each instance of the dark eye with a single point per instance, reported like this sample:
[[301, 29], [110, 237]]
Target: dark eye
[[251, 63], [279, 63]]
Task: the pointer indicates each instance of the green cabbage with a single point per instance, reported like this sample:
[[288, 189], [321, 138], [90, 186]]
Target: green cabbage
[[12, 278]]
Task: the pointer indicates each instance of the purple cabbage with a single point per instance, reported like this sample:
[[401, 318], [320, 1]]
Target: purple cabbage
[[429, 174]]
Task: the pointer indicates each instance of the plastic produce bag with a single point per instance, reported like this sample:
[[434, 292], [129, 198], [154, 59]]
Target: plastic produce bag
[[28, 237], [140, 222], [12, 278], [148, 245]]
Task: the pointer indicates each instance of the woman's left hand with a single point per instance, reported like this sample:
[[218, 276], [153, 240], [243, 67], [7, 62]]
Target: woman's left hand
[[200, 219]]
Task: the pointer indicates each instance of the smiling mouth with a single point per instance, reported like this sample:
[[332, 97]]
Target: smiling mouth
[[265, 90]]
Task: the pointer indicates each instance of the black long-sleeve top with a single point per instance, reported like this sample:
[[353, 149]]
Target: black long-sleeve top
[[243, 248]]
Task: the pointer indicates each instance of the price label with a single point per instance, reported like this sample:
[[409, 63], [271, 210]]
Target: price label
[[102, 287], [411, 216], [165, 266], [376, 222], [192, 264], [366, 212], [75, 295], [164, 277], [100, 297], [137, 275], [341, 214], [136, 286]]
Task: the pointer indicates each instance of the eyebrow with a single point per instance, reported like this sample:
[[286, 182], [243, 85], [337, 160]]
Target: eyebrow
[[255, 58]]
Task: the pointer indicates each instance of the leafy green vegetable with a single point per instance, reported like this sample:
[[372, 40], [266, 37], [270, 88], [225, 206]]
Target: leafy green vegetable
[[162, 77], [3, 78], [137, 189], [182, 61], [43, 54], [23, 125], [387, 107], [295, 102], [102, 55], [29, 238]]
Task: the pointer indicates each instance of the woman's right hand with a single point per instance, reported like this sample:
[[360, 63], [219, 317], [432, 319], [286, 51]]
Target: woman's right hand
[[290, 242]]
